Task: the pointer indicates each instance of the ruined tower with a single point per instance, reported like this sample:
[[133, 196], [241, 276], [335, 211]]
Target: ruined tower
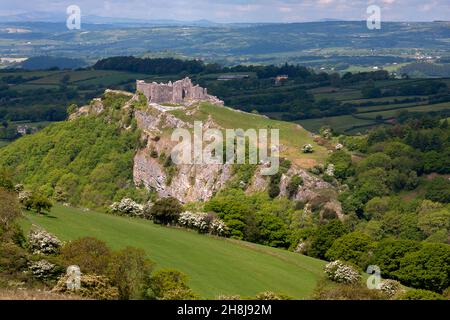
[[178, 92]]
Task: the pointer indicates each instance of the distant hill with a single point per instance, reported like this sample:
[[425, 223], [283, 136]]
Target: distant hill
[[47, 62], [227, 43]]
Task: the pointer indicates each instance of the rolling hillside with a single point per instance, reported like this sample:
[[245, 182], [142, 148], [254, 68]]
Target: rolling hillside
[[215, 265]]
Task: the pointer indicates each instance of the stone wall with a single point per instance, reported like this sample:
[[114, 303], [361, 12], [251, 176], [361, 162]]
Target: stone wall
[[177, 92]]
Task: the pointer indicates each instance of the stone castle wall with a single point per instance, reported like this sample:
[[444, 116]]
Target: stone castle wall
[[177, 92]]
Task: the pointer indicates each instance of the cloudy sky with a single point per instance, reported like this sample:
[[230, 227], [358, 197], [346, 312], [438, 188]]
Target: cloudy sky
[[241, 10]]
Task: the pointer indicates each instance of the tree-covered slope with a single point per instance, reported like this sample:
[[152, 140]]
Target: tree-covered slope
[[87, 161]]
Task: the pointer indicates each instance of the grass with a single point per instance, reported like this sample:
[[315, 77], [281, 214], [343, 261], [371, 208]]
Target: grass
[[292, 136], [422, 108], [338, 123], [350, 124], [214, 265], [34, 294]]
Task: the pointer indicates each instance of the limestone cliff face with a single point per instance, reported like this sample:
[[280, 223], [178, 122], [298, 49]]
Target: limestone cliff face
[[154, 170], [188, 183]]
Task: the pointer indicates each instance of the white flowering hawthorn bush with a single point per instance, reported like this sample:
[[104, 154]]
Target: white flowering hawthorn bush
[[127, 207], [342, 273], [301, 247], [390, 287], [43, 269], [202, 222], [218, 228], [24, 196], [307, 148], [42, 242], [330, 170]]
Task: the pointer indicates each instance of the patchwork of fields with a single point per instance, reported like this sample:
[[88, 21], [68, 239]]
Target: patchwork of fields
[[372, 111]]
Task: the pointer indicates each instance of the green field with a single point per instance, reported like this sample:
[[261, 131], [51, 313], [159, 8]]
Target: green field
[[423, 108], [339, 123], [215, 265]]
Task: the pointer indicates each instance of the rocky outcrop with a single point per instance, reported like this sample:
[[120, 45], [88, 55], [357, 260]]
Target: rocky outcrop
[[188, 183], [95, 108], [178, 92]]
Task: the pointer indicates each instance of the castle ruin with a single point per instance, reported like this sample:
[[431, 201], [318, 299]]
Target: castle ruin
[[178, 92]]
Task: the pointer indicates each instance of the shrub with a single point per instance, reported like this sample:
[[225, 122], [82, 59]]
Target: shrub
[[130, 271], [353, 247], [37, 202], [293, 185], [391, 288], [9, 212], [419, 294], [323, 239], [228, 297], [346, 292], [90, 254], [428, 268], [274, 185], [307, 148], [170, 284], [202, 222], [388, 254], [12, 258], [438, 190], [268, 295], [91, 286], [127, 206], [42, 242], [6, 181], [44, 269], [340, 272], [166, 211], [376, 207]]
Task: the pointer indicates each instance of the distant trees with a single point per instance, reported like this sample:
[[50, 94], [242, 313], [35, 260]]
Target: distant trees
[[161, 66]]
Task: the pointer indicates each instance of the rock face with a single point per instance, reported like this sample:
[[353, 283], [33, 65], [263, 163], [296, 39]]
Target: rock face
[[178, 92]]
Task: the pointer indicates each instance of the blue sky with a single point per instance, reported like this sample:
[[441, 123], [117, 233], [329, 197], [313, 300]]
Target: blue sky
[[241, 10]]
